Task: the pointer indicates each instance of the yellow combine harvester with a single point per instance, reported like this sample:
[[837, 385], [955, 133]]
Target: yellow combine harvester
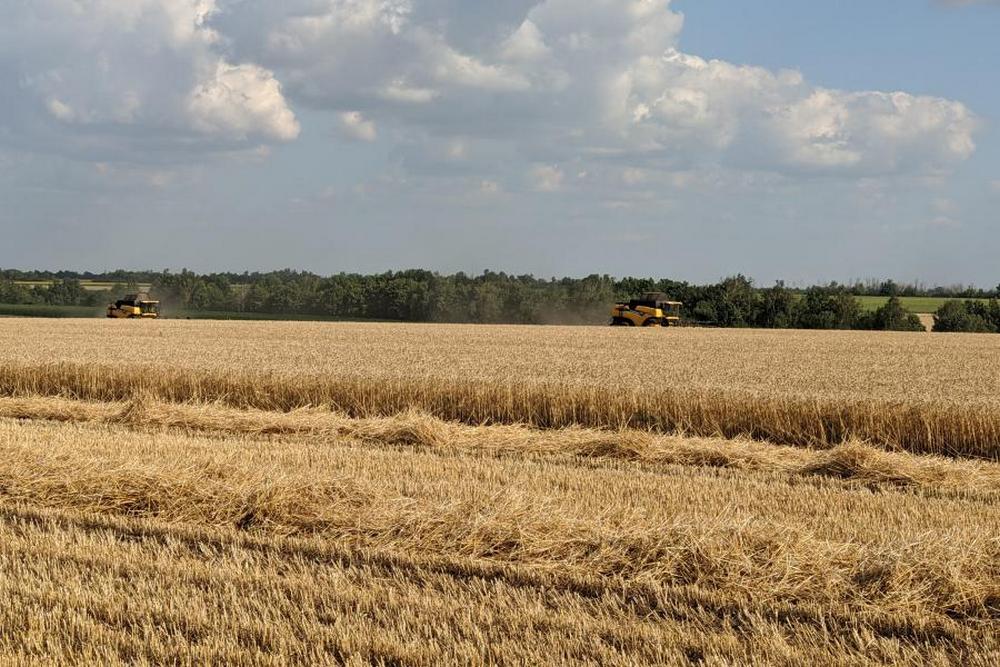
[[134, 306], [652, 310]]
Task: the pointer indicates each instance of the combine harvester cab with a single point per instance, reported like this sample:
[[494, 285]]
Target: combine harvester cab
[[134, 306], [654, 309]]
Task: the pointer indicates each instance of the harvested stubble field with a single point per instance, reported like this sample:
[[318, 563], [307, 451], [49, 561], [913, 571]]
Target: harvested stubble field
[[284, 493]]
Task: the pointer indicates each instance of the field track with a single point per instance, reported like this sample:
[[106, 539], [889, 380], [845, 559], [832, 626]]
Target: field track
[[176, 492]]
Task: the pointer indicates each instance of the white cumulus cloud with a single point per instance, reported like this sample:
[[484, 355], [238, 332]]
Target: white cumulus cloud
[[131, 71], [565, 83], [589, 79], [242, 100]]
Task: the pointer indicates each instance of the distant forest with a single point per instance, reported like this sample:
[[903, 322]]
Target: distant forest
[[425, 296]]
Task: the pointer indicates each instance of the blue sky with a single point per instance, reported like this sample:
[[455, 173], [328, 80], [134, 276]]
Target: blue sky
[[797, 141]]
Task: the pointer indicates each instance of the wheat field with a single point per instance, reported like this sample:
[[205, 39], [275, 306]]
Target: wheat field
[[925, 394], [289, 493]]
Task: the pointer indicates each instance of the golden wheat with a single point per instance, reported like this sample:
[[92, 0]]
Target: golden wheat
[[191, 493], [828, 364], [676, 553], [942, 427], [919, 393], [853, 462]]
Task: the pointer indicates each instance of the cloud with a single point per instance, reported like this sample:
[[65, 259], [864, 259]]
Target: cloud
[[61, 111], [398, 91], [121, 75], [240, 101], [944, 206], [318, 46], [526, 44], [353, 125], [572, 84], [546, 178], [606, 81], [632, 176], [489, 187], [944, 222]]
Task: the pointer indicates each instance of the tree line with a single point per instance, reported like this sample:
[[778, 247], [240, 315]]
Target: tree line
[[968, 316], [491, 297], [63, 292], [884, 288]]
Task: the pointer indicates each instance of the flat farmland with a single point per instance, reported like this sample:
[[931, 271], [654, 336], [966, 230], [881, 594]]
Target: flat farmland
[[89, 285], [280, 493], [901, 366], [931, 394], [914, 304]]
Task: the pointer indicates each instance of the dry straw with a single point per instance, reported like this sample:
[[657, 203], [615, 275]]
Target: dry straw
[[173, 547], [946, 428]]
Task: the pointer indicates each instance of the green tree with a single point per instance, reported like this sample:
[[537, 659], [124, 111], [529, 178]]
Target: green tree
[[893, 317], [735, 302], [11, 292], [487, 304], [67, 292], [954, 316], [777, 308], [828, 308]]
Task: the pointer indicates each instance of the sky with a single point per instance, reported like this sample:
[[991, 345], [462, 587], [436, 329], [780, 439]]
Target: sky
[[690, 139]]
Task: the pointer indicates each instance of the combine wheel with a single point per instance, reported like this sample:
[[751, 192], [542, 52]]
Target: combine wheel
[[651, 323]]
